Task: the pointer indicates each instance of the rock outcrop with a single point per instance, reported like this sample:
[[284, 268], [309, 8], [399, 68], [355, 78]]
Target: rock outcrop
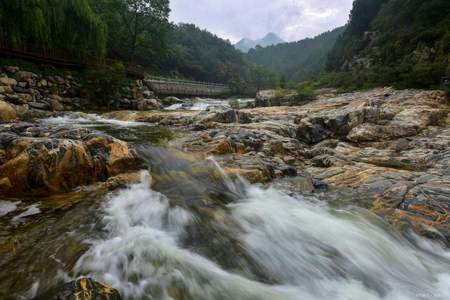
[[36, 162]]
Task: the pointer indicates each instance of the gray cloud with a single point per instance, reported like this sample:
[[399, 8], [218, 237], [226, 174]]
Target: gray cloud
[[291, 19]]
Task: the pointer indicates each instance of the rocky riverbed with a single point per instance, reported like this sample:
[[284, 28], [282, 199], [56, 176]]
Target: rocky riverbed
[[385, 150], [255, 203]]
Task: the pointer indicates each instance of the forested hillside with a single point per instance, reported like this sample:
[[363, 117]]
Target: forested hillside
[[297, 61], [405, 43], [198, 54], [134, 33]]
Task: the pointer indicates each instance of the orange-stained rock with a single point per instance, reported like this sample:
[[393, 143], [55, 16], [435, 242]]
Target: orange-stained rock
[[240, 148], [82, 289], [223, 147], [252, 175], [40, 166]]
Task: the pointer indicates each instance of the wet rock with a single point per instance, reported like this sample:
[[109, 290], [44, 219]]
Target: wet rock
[[267, 98], [39, 105], [48, 165], [148, 94], [312, 133], [227, 116], [82, 289], [373, 132], [423, 208], [148, 104], [171, 101]]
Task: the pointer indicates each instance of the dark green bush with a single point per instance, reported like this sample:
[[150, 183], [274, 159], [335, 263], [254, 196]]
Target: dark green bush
[[103, 85], [447, 93], [305, 92]]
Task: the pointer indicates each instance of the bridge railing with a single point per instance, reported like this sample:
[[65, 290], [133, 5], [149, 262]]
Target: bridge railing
[[173, 80]]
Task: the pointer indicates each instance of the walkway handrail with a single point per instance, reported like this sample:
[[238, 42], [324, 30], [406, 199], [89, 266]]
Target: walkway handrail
[[174, 80]]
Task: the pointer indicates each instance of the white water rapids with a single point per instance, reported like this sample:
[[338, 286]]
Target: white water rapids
[[309, 250]]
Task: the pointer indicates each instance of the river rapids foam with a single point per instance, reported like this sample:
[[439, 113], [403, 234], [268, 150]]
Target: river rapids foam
[[309, 250]]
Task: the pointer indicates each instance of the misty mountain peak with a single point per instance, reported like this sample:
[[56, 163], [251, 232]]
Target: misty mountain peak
[[268, 40]]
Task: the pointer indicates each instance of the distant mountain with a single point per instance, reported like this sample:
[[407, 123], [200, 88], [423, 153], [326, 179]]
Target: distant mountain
[[297, 61], [270, 39]]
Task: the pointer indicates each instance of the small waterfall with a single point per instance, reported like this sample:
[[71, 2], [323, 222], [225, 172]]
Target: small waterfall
[[328, 253], [142, 258], [307, 250]]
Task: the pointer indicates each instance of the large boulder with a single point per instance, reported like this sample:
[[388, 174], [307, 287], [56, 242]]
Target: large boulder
[[54, 164]]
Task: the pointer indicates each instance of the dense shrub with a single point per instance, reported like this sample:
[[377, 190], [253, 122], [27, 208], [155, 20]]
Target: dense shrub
[[305, 92], [104, 84]]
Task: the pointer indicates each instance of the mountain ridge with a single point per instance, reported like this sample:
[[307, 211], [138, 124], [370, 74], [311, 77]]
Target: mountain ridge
[[297, 61]]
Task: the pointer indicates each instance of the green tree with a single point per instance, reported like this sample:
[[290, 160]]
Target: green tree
[[141, 20], [104, 84], [46, 25], [283, 82], [137, 28]]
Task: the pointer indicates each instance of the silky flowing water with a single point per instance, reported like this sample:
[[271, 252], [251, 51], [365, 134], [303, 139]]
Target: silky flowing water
[[187, 231]]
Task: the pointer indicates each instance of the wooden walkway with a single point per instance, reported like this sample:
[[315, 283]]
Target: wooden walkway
[[175, 87]]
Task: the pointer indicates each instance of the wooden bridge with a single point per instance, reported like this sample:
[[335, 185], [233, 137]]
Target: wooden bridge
[[175, 87]]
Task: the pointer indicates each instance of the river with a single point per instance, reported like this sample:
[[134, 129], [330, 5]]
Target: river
[[187, 231]]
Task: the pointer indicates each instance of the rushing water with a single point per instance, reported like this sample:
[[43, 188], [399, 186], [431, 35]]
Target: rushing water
[[187, 231], [307, 250], [200, 104]]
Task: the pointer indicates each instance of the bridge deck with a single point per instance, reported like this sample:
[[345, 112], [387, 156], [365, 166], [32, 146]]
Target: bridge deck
[[166, 86]]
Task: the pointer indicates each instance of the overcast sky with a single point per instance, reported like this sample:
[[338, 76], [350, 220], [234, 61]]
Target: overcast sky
[[292, 20]]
